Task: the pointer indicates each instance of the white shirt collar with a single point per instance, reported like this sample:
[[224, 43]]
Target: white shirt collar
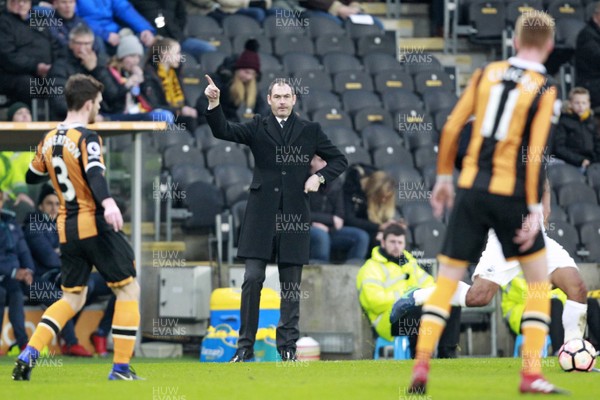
[[71, 126], [280, 119], [525, 64]]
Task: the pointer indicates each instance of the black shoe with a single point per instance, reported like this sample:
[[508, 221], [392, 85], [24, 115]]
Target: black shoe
[[242, 355], [288, 354], [22, 371]]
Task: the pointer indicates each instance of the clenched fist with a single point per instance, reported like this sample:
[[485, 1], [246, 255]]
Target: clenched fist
[[212, 93]]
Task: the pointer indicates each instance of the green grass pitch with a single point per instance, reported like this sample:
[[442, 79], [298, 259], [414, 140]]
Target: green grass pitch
[[188, 379]]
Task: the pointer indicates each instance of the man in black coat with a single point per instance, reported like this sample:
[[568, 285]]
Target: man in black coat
[[587, 57], [277, 217]]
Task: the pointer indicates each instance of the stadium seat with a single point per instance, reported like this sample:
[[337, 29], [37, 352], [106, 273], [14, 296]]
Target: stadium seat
[[377, 62], [566, 9], [377, 135], [417, 213], [268, 76], [340, 62], [429, 237], [236, 193], [269, 62], [205, 139], [566, 235], [377, 43], [436, 100], [193, 83], [356, 31], [391, 80], [231, 174], [219, 40], [236, 24], [342, 135], [413, 120], [314, 79], [425, 155], [488, 18], [204, 201], [589, 235], [415, 139], [399, 99], [322, 26], [179, 154], [296, 62], [416, 61], [185, 174], [515, 8], [367, 116], [576, 192], [400, 347], [264, 45], [589, 10], [562, 174], [390, 155], [211, 61], [440, 118], [352, 80], [283, 25], [198, 25], [428, 80], [332, 116], [354, 100], [567, 31], [582, 213], [404, 173], [172, 137], [188, 61], [558, 214], [318, 99], [356, 154], [333, 43], [593, 175], [225, 154], [292, 44]]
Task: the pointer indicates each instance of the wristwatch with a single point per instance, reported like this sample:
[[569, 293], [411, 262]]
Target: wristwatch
[[321, 178]]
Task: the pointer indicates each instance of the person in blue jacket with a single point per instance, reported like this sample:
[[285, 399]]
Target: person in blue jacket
[[108, 17], [16, 267]]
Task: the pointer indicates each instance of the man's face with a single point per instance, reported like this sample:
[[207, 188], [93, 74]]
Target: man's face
[[50, 205], [19, 7], [65, 8], [81, 45], [22, 115], [281, 100], [580, 103], [394, 245], [95, 108]]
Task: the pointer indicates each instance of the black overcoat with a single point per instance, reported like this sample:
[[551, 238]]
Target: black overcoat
[[277, 206]]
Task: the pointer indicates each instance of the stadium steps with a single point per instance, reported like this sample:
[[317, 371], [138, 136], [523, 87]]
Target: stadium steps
[[147, 228], [164, 246]]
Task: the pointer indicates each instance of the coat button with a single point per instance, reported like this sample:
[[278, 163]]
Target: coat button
[[283, 172], [276, 189]]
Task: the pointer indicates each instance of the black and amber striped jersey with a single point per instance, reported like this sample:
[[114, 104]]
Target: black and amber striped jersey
[[67, 154], [513, 103]]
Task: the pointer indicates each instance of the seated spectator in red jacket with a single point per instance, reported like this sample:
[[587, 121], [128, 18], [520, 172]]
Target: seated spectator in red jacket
[[587, 57], [576, 140], [27, 53]]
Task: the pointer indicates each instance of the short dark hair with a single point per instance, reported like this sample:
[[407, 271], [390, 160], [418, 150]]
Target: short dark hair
[[80, 30], [81, 88], [394, 229], [281, 82]]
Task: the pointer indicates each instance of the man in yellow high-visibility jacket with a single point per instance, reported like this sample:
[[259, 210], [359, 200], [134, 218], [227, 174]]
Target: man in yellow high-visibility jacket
[[391, 272]]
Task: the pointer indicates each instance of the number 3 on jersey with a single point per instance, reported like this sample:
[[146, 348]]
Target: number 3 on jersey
[[62, 176]]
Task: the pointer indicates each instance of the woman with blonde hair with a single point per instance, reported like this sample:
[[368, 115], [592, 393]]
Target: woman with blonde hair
[[370, 200]]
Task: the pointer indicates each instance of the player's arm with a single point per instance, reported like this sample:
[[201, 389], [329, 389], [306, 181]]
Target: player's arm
[[93, 164], [37, 172], [457, 119]]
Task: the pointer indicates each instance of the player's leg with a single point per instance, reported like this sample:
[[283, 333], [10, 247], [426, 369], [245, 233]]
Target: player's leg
[[481, 292], [569, 280]]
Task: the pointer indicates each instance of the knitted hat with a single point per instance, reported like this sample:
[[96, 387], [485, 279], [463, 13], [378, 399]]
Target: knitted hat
[[45, 191], [249, 57], [12, 110], [129, 45]]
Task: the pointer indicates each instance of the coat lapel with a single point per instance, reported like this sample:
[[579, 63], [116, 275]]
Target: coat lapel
[[295, 128], [273, 129]]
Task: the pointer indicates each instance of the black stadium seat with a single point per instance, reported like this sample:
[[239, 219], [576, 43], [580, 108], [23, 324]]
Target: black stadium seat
[[429, 237], [356, 154], [339, 62], [415, 61], [354, 100], [185, 174], [225, 154], [204, 201], [317, 99], [292, 43], [425, 155], [593, 175], [264, 44], [270, 62], [296, 62], [333, 43], [198, 25], [219, 40], [393, 79], [332, 117], [193, 83], [378, 62], [358, 30], [417, 213], [391, 155], [436, 100], [313, 79], [342, 135], [488, 18], [576, 192], [173, 137], [231, 174], [558, 214], [377, 43], [377, 135], [211, 61], [590, 237], [582, 213], [515, 8], [562, 174], [178, 154], [399, 99], [565, 234], [237, 24], [236, 193], [282, 24], [321, 26], [368, 116], [428, 80], [352, 80]]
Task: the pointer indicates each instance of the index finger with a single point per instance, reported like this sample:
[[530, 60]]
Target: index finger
[[210, 81]]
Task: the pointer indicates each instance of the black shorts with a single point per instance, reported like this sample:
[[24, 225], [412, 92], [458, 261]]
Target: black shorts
[[109, 252], [473, 214]]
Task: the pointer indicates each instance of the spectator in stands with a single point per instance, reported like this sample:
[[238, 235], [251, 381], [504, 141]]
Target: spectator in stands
[[587, 57], [513, 304], [336, 10], [107, 18], [327, 231], [238, 76], [16, 267], [576, 140], [81, 58], [391, 272], [200, 7], [62, 19], [42, 238], [19, 112], [169, 18], [27, 53], [130, 104], [369, 200], [230, 7], [161, 84]]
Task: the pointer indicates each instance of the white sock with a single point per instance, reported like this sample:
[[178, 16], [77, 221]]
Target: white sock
[[574, 319], [459, 298]]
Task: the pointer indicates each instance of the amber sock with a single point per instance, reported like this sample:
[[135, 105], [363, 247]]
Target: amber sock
[[534, 326], [125, 325], [52, 322]]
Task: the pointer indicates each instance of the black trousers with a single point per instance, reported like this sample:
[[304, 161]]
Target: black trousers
[[287, 328]]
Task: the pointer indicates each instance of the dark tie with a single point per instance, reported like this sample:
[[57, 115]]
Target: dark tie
[[282, 123]]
